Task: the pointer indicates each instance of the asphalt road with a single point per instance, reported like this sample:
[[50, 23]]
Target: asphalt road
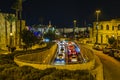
[[111, 66]]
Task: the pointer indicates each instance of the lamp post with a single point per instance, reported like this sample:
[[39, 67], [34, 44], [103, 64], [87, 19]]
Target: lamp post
[[74, 27], [117, 36], [11, 42], [97, 12]]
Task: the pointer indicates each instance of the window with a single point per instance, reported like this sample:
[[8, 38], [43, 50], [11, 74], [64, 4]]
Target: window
[[107, 36], [107, 27], [112, 27], [119, 27], [101, 27]]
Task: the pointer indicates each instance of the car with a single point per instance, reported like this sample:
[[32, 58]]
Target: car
[[107, 50], [70, 43], [71, 47], [62, 49], [73, 58], [70, 52], [117, 54], [61, 56], [59, 62], [97, 46]]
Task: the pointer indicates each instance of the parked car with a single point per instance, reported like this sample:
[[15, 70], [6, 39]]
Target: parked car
[[97, 46], [107, 50], [117, 54]]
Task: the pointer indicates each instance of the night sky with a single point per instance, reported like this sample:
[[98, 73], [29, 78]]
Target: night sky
[[62, 12]]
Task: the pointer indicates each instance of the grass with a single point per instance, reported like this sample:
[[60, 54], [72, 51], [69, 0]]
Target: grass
[[33, 58]]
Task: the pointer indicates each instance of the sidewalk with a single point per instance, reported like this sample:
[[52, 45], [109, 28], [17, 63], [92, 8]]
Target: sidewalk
[[4, 50]]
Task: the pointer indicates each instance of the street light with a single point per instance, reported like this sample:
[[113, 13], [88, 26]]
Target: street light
[[11, 42], [74, 26], [97, 12], [117, 35]]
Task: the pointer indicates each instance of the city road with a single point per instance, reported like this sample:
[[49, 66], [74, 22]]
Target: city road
[[111, 67]]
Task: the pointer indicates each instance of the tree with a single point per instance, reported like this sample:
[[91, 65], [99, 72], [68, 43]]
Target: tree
[[111, 40], [6, 38], [15, 7], [28, 38], [50, 34]]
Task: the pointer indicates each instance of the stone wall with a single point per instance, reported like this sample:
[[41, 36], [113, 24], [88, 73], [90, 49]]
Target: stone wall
[[98, 71]]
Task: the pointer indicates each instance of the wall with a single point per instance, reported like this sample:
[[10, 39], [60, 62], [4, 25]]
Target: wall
[[3, 41], [85, 66], [98, 70]]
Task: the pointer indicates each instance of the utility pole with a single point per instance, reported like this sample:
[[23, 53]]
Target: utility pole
[[117, 35], [74, 27], [97, 23]]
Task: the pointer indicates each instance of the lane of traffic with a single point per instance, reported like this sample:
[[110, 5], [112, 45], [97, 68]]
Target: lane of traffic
[[68, 53]]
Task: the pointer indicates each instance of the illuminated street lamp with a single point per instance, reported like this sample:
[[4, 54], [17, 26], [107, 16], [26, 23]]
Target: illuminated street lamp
[[11, 42], [97, 12]]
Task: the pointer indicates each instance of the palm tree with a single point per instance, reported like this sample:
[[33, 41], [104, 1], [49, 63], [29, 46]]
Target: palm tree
[[15, 7], [6, 38], [10, 18]]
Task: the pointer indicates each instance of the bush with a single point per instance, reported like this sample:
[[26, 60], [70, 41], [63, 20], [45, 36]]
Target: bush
[[67, 74], [30, 73], [49, 77], [7, 59], [49, 70], [31, 76], [2, 67]]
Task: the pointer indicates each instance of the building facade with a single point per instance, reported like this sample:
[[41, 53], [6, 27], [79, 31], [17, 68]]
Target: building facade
[[106, 29], [5, 35]]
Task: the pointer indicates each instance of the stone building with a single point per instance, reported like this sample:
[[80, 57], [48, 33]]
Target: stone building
[[5, 34], [106, 29]]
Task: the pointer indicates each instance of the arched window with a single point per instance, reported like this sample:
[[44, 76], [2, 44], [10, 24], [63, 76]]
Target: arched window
[[119, 27], [107, 27], [112, 27], [107, 36], [101, 27]]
